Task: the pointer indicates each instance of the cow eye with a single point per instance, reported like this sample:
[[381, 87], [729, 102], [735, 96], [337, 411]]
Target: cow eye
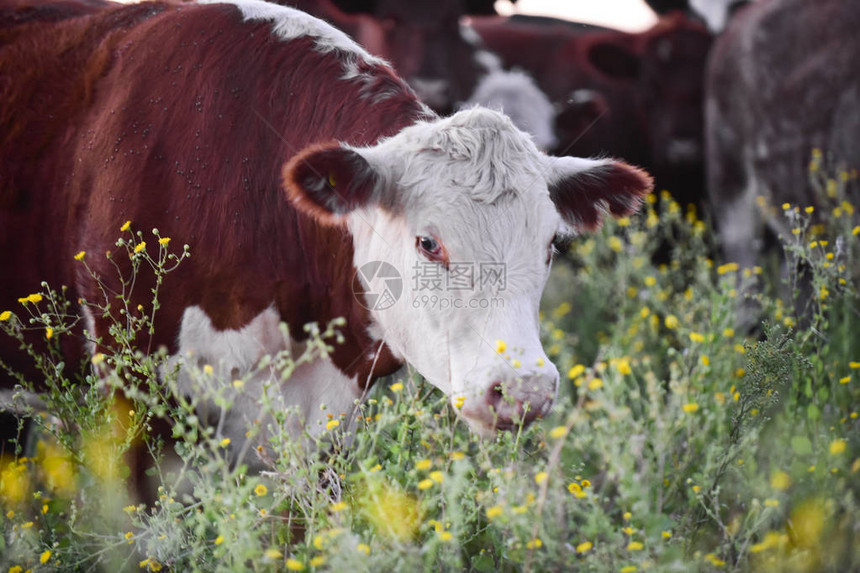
[[431, 248], [558, 245]]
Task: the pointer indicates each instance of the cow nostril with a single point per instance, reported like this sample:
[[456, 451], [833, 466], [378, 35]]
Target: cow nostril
[[511, 403]]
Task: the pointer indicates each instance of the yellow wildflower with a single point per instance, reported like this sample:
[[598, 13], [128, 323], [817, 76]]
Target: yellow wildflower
[[425, 483], [332, 424], [671, 322], [224, 443], [261, 490], [219, 540], [423, 465], [5, 315], [576, 490], [494, 512], [140, 246], [339, 506], [559, 311], [635, 546], [584, 546], [294, 565], [696, 337], [690, 407], [80, 256], [540, 477], [595, 384], [576, 371], [437, 476], [49, 333], [164, 241], [45, 556], [558, 432], [396, 387], [837, 447], [501, 346], [780, 480], [125, 226], [363, 548]]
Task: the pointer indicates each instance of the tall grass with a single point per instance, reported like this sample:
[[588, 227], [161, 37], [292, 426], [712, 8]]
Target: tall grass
[[680, 441]]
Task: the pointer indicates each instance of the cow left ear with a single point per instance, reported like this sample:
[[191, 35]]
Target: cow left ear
[[328, 181], [584, 190]]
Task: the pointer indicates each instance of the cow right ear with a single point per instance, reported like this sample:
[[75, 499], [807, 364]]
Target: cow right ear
[[328, 181], [585, 190]]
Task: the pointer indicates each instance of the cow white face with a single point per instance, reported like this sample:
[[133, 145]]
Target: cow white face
[[465, 211]]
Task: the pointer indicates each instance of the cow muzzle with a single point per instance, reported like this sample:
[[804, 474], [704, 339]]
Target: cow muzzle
[[506, 404]]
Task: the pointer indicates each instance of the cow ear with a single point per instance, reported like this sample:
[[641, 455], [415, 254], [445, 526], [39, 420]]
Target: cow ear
[[328, 181], [584, 190]]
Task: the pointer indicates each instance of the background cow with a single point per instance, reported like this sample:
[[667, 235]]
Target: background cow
[[287, 157], [782, 80], [631, 95]]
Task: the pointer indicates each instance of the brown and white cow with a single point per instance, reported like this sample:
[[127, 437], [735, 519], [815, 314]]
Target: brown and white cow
[[287, 157], [782, 80]]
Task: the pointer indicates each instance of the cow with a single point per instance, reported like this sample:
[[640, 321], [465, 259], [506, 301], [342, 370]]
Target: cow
[[421, 39], [782, 81], [293, 163], [635, 95]]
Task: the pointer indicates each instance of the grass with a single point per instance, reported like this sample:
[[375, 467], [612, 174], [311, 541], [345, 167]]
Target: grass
[[680, 441]]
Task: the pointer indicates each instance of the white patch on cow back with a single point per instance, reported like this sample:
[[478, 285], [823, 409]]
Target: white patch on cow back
[[290, 23], [516, 94], [236, 355]]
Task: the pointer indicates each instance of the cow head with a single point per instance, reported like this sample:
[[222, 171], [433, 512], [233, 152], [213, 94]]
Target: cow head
[[466, 210]]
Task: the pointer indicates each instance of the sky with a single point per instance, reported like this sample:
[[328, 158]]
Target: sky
[[629, 15]]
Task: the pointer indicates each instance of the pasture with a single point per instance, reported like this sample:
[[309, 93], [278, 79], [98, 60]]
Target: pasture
[[680, 441]]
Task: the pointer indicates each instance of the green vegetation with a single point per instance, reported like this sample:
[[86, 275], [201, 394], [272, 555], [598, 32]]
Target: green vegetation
[[678, 442]]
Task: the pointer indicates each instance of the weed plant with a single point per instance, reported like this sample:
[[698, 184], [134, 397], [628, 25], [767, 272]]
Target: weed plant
[[681, 439]]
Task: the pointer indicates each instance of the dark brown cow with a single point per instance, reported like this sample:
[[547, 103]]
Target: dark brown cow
[[783, 79], [288, 158], [650, 85], [421, 39]]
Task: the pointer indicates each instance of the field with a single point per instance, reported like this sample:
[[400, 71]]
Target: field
[[684, 437]]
